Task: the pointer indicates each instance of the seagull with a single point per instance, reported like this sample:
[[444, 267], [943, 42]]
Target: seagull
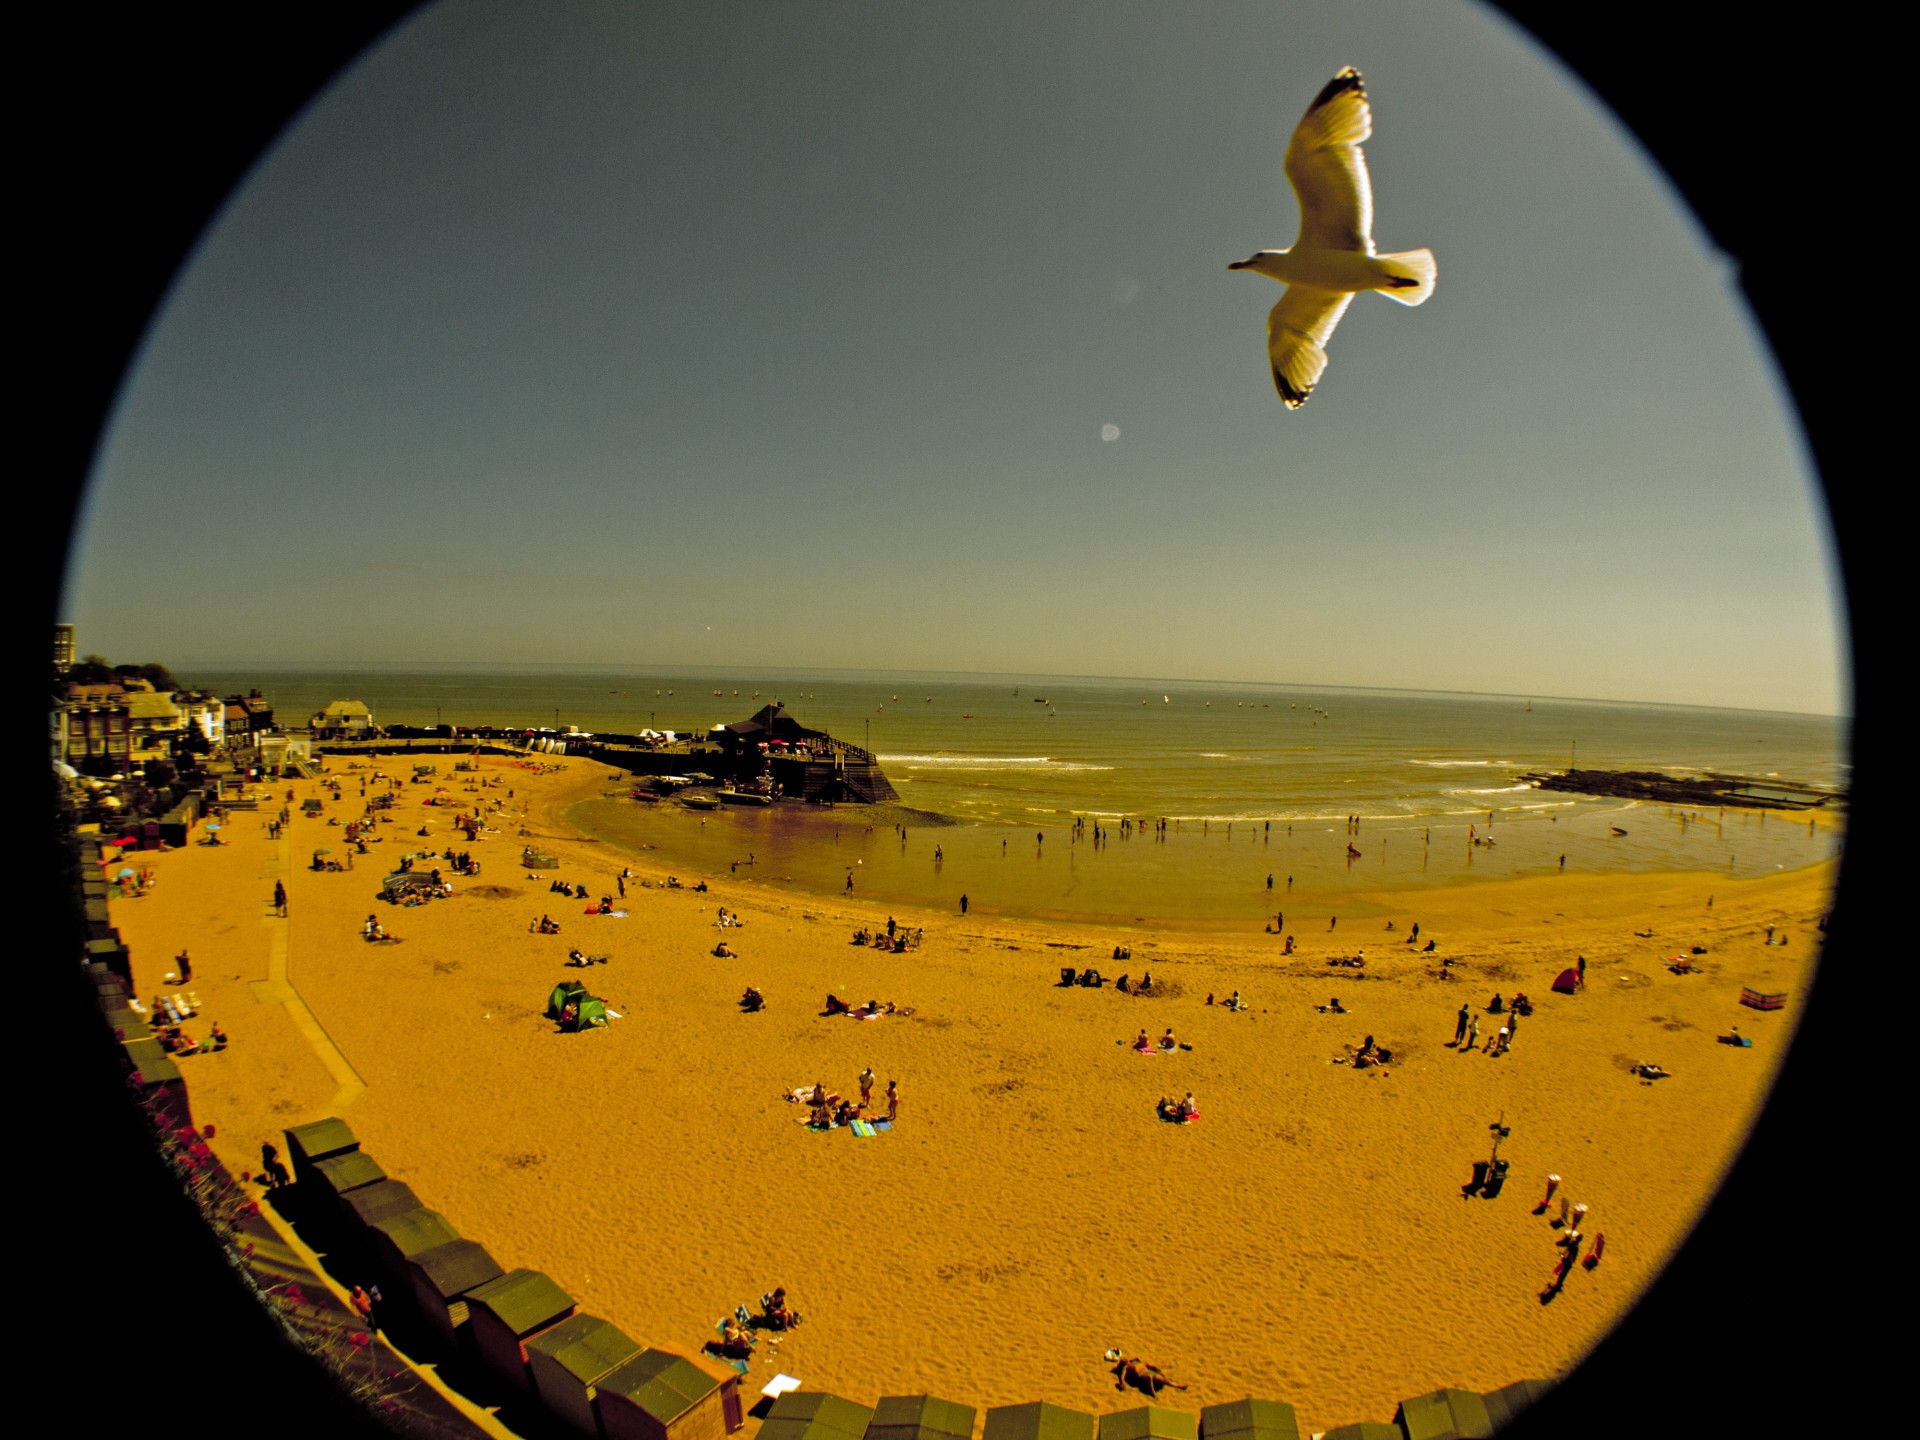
[[1333, 260]]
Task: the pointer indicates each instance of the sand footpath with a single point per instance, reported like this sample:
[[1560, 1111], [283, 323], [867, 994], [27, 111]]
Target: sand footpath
[[1306, 1240]]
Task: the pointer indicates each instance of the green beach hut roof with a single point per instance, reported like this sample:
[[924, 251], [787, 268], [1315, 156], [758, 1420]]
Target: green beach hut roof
[[348, 1171], [1150, 1422], [1038, 1420], [920, 1417], [456, 1267], [1446, 1415], [586, 1347], [1250, 1420], [321, 1139], [662, 1384], [382, 1200], [1505, 1405], [416, 1231], [1365, 1430], [522, 1300], [817, 1416]]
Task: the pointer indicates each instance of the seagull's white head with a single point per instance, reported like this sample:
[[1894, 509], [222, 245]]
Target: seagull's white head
[[1267, 262]]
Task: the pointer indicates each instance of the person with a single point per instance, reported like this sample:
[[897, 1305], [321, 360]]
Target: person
[[279, 897], [1187, 1112], [1141, 1042], [184, 965], [722, 951], [753, 999], [1235, 1003], [1132, 1370], [363, 1303], [1167, 1042], [893, 1100], [1460, 1023], [1334, 1005], [837, 1006], [1121, 983], [1473, 1034], [963, 904], [1146, 984], [866, 1085], [272, 1173], [218, 1040]]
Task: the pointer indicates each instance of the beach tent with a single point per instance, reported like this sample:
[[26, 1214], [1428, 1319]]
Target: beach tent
[[307, 1145], [590, 1013], [505, 1312], [1037, 1420], [1150, 1422], [1249, 1420], [1567, 981], [920, 1417], [1445, 1415], [1757, 1001], [1505, 1405], [567, 1363], [817, 1416], [563, 992], [439, 1280], [399, 1238], [658, 1395]]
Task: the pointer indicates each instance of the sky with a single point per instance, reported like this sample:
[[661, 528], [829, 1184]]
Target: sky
[[845, 334]]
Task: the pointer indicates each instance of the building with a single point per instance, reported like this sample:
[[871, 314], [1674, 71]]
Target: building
[[62, 649], [247, 715], [155, 724], [342, 720], [97, 727]]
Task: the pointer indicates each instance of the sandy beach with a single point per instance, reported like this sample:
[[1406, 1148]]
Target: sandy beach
[[1307, 1239]]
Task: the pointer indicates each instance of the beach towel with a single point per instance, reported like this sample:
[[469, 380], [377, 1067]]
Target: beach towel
[[883, 1125], [862, 1128]]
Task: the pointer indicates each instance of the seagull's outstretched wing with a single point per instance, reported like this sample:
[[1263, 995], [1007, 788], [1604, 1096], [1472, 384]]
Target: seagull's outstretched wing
[[1298, 328], [1328, 171]]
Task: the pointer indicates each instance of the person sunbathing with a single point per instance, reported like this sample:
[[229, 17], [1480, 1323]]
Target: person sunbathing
[[837, 1006], [1142, 1043], [722, 951], [778, 1316], [752, 1000], [1187, 1112], [1132, 1370]]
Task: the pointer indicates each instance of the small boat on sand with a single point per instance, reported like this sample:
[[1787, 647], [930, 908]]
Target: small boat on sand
[[700, 802]]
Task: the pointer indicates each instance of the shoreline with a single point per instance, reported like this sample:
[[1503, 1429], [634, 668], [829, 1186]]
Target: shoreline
[[1307, 1191]]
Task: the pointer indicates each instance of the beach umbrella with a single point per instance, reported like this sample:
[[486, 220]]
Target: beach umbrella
[[324, 850], [123, 872]]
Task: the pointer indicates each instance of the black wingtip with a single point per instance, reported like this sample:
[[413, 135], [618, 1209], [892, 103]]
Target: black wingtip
[[1294, 398], [1347, 79]]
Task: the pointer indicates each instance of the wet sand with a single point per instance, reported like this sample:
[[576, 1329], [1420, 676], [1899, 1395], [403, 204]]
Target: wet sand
[[1306, 1240]]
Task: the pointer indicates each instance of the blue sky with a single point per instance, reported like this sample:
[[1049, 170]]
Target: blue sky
[[785, 334]]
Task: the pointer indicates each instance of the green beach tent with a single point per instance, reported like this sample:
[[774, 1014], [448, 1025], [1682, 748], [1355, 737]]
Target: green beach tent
[[1250, 1420], [590, 1014], [1150, 1422], [1038, 1420], [563, 992], [920, 1417], [1445, 1415]]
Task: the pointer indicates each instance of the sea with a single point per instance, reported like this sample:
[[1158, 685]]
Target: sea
[[1147, 801]]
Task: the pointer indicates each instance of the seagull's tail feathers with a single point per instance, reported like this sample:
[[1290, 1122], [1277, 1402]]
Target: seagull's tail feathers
[[1408, 276]]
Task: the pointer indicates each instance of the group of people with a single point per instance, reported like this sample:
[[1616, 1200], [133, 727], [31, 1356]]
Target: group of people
[[869, 1011], [1145, 987], [1178, 1114], [829, 1109], [1146, 1046]]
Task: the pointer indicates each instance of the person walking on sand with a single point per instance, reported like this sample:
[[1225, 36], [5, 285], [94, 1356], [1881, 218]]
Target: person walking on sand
[[1460, 1024], [184, 965], [963, 904], [279, 897], [1473, 1034], [866, 1086], [893, 1100]]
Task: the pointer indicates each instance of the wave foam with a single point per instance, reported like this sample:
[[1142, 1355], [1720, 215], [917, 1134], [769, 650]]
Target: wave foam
[[986, 762]]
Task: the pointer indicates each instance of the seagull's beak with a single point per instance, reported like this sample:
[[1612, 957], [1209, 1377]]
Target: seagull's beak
[[1240, 265]]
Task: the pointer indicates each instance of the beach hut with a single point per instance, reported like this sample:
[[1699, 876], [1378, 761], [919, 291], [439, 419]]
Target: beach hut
[[1567, 981], [128, 1025], [337, 1176], [1445, 1415], [1150, 1422], [367, 1205], [307, 1145], [439, 1279], [816, 1416], [658, 1395], [111, 953], [1506, 1404], [920, 1417], [1249, 1420], [99, 927], [506, 1312], [397, 1239], [567, 1363], [1037, 1420], [1365, 1430]]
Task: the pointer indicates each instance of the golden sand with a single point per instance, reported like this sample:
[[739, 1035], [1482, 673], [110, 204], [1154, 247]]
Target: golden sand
[[1307, 1240]]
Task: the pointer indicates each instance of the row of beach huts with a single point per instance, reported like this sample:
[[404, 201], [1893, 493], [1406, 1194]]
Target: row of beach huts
[[523, 1328]]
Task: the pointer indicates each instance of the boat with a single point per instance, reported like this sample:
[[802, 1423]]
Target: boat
[[700, 802], [746, 797]]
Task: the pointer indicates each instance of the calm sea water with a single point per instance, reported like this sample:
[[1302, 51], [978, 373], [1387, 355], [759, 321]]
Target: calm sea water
[[1253, 780]]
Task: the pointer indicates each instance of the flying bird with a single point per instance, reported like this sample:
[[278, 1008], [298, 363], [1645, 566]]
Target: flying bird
[[1333, 260]]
